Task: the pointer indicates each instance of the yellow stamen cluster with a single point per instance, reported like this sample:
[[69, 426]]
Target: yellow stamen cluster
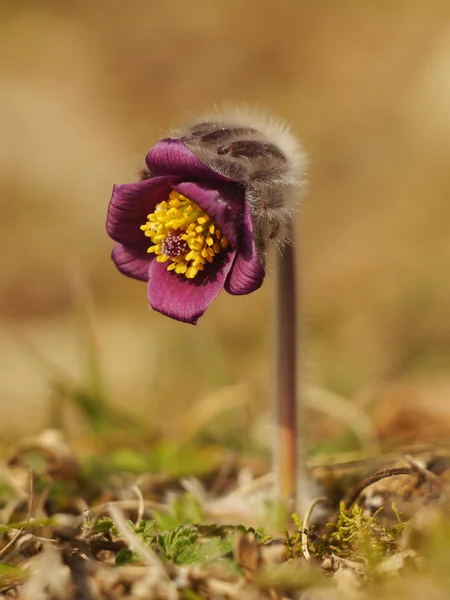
[[184, 234]]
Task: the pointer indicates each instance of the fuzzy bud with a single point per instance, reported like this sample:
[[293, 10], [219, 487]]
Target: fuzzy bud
[[261, 155]]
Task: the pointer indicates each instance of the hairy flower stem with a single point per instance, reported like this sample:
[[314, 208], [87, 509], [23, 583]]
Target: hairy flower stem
[[286, 454]]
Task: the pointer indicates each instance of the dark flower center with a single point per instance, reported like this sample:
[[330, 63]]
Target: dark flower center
[[174, 246]]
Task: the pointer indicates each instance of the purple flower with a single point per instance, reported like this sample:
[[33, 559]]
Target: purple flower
[[186, 231]]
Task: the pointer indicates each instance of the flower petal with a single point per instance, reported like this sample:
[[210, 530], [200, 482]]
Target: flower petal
[[223, 204], [247, 272], [131, 262], [172, 157], [128, 209], [186, 299]]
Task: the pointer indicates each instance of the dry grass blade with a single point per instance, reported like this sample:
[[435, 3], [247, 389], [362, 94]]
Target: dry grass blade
[[11, 543], [134, 542], [141, 505], [311, 507], [18, 533]]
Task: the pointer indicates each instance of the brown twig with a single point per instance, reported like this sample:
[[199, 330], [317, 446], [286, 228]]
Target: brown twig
[[351, 496]]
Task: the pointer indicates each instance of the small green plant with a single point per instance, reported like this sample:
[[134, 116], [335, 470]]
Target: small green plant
[[261, 537], [103, 525], [146, 531], [360, 536], [293, 541], [172, 544], [206, 551], [182, 544]]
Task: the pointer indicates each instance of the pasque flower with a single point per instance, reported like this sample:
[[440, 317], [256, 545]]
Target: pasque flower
[[195, 222], [201, 219]]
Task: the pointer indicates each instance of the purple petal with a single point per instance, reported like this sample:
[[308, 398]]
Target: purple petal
[[172, 157], [186, 299], [223, 204], [128, 209], [131, 262], [247, 273]]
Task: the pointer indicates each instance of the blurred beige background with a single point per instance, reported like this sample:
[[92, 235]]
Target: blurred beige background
[[87, 87]]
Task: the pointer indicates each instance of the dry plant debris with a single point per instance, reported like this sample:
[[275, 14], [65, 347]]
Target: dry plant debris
[[62, 539]]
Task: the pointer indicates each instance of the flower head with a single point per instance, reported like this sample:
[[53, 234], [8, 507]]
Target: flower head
[[192, 225]]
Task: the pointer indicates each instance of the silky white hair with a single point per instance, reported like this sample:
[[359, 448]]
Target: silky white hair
[[262, 155]]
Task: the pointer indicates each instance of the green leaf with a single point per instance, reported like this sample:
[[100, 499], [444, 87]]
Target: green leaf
[[10, 574], [191, 595], [6, 569], [126, 459], [104, 525], [173, 543], [125, 556], [206, 552], [146, 531]]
